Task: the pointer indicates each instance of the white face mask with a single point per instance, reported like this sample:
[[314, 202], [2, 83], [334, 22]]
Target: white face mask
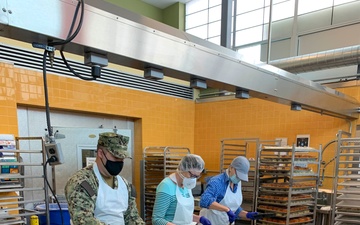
[[189, 183]]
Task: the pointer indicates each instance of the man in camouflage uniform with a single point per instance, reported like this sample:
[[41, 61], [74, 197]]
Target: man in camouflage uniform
[[96, 194]]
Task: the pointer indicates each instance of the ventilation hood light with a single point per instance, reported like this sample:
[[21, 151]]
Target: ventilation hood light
[[153, 73], [198, 83], [242, 94], [92, 58], [295, 107]]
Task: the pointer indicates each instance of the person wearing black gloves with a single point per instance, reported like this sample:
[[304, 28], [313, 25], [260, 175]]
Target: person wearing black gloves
[[222, 198]]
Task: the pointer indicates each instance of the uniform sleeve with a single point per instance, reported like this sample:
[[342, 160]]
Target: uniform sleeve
[[81, 206], [131, 215]]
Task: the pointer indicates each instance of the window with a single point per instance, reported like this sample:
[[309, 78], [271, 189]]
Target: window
[[203, 17], [197, 19], [248, 36], [250, 54], [306, 6]]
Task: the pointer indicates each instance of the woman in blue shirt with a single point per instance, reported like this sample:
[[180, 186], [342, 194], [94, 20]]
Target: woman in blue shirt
[[174, 203], [222, 198]]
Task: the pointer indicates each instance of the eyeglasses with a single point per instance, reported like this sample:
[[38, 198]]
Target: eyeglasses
[[194, 176]]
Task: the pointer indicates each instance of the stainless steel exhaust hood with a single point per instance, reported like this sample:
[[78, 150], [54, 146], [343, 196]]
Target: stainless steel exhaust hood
[[135, 41]]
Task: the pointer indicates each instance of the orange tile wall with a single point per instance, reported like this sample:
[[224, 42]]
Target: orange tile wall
[[159, 120], [8, 113], [256, 118]]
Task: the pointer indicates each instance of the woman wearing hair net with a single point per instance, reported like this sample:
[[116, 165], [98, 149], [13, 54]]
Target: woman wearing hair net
[[174, 203], [222, 197]]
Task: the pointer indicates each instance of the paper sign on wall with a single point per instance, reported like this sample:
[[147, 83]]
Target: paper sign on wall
[[90, 160]]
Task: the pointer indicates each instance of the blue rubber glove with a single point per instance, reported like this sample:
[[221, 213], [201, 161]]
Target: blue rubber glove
[[204, 221], [251, 215], [231, 216]]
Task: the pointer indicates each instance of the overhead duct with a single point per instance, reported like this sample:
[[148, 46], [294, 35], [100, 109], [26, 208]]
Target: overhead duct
[[340, 57], [136, 41]]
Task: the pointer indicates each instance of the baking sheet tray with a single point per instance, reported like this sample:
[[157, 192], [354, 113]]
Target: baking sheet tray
[[297, 223], [349, 191], [286, 172], [352, 197], [293, 214], [350, 183], [349, 204], [287, 159], [305, 191], [293, 198], [352, 176], [277, 147], [286, 186], [348, 219], [285, 203], [273, 223], [348, 213]]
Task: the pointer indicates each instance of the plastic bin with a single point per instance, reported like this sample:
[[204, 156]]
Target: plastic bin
[[55, 214]]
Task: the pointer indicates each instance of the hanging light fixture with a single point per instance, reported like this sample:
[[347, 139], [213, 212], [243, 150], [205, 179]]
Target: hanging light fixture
[[198, 83], [153, 73], [242, 93], [295, 107]]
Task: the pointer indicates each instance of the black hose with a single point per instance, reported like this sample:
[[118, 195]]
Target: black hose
[[47, 108]]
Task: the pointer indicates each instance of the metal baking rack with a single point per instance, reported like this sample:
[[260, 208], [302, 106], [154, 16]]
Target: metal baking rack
[[22, 180], [288, 180], [158, 162], [247, 147], [346, 198]]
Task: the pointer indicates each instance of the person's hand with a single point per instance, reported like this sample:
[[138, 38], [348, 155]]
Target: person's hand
[[204, 221], [231, 216], [251, 215]]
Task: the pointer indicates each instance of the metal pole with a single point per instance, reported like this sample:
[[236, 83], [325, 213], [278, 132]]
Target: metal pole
[[294, 36], [269, 33], [225, 39], [234, 25]]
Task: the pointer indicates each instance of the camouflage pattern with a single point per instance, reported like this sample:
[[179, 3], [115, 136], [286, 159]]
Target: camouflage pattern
[[81, 206], [116, 144]]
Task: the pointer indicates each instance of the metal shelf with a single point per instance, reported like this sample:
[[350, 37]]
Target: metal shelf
[[17, 185], [288, 182], [158, 162], [346, 200]]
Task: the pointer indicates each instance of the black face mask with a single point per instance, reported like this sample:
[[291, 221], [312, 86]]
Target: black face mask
[[113, 167]]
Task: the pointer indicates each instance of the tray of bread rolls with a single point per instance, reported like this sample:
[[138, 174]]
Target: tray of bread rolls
[[348, 206], [281, 211], [278, 221], [285, 187], [288, 158], [285, 170], [283, 200], [289, 148]]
